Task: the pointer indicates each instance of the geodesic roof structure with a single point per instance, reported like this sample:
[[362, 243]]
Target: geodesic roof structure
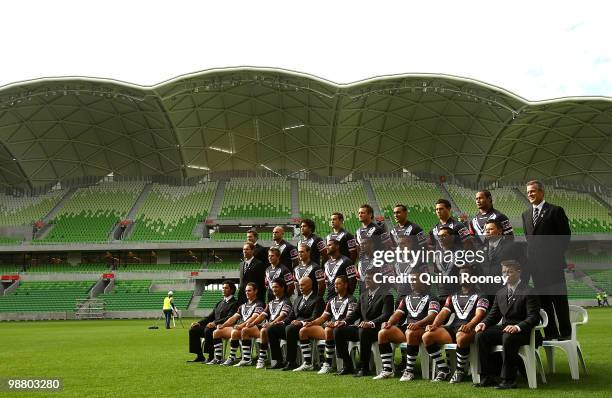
[[283, 121]]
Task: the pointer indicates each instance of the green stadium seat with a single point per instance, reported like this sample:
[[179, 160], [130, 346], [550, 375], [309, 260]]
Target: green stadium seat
[[256, 198], [46, 296]]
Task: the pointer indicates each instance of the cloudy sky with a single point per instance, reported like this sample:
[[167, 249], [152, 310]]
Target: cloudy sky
[[536, 49]]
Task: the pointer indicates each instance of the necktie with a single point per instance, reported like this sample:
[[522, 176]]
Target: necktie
[[370, 297], [510, 295], [536, 212], [302, 302]]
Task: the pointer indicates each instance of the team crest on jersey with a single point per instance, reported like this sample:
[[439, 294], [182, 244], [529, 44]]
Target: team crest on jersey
[[294, 253], [351, 243], [321, 245]]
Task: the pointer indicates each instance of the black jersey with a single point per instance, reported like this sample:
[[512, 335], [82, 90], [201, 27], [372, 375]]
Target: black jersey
[[317, 247], [277, 272], [380, 237], [399, 269], [462, 233], [289, 253], [477, 225], [339, 308], [313, 271], [347, 241], [248, 309], [416, 307], [450, 269], [276, 308], [334, 268], [411, 230], [464, 306], [366, 263]]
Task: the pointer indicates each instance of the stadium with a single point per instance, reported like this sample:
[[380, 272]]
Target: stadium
[[113, 194]]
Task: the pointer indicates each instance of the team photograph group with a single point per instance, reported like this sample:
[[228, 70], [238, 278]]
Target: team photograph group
[[309, 307]]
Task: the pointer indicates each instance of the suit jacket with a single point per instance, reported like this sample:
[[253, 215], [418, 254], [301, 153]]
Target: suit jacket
[[261, 253], [222, 311], [507, 249], [255, 272], [522, 310], [548, 239], [312, 308], [378, 311]]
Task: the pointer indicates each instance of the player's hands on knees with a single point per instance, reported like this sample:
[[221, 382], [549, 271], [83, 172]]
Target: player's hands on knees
[[413, 326], [431, 328], [210, 325], [385, 325], [307, 324], [465, 328], [480, 327], [339, 324]]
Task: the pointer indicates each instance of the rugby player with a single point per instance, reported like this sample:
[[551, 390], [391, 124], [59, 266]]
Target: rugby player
[[486, 212], [275, 271], [288, 252], [308, 268], [348, 244], [318, 249], [337, 265], [462, 233]]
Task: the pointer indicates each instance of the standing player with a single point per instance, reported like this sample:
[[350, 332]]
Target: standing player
[[447, 266], [288, 252], [462, 233], [366, 263], [348, 244], [470, 308], [407, 324], [336, 266], [486, 212], [322, 328], [239, 326], [318, 249], [370, 230], [276, 270], [309, 269], [405, 228]]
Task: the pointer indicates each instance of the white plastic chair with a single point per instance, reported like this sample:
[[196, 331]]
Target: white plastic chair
[[530, 355], [473, 358], [578, 316]]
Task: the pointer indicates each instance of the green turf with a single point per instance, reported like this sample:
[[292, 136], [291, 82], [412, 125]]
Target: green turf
[[118, 358]]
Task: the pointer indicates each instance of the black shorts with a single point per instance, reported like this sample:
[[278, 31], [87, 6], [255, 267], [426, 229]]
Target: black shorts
[[403, 327], [452, 330]]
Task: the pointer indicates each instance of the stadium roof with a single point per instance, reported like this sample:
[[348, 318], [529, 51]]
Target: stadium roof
[[254, 118]]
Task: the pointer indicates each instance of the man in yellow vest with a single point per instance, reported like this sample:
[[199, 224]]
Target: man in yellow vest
[[169, 307]]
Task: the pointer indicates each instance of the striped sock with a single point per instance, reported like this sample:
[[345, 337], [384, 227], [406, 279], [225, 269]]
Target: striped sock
[[218, 344], [436, 357], [321, 348], [263, 351], [411, 355], [386, 356], [330, 351], [463, 355], [246, 350], [233, 348], [306, 352]]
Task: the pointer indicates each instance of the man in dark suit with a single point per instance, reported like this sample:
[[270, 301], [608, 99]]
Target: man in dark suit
[[307, 307], [548, 234], [497, 248], [375, 307], [519, 311], [251, 270], [205, 327], [260, 252]]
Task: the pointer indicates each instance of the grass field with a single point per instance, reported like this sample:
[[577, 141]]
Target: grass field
[[119, 358]]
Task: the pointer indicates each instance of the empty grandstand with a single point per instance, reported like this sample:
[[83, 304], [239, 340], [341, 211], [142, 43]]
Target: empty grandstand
[[25, 210], [92, 212], [256, 198], [137, 295], [45, 296], [172, 212], [318, 201]]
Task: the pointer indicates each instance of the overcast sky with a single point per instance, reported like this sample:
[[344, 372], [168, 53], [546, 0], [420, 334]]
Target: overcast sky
[[535, 49]]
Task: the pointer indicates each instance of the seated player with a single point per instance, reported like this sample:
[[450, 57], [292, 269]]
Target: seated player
[[407, 324], [225, 308], [240, 326], [375, 306], [469, 307], [322, 328], [273, 320], [306, 307]]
